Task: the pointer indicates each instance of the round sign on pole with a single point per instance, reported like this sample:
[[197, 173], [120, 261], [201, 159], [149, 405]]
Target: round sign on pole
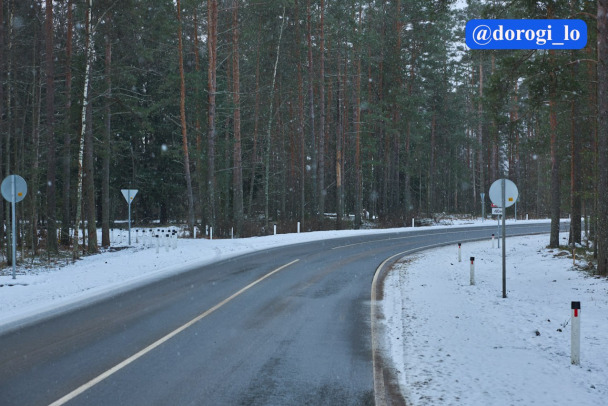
[[511, 193], [20, 189]]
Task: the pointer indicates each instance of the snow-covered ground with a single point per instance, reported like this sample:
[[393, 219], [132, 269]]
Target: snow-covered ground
[[452, 343], [456, 344]]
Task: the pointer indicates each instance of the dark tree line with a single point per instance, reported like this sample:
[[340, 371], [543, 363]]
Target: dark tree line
[[236, 114]]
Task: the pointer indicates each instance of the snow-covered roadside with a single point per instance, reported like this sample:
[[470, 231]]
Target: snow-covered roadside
[[44, 289], [456, 344]]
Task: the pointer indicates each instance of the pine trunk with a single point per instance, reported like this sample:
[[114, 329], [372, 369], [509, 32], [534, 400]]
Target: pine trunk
[[358, 185], [83, 130], [182, 114], [212, 88], [321, 156], [105, 183], [237, 178], [575, 179], [50, 122], [555, 181], [2, 112], [268, 133], [315, 151], [65, 222], [602, 105]]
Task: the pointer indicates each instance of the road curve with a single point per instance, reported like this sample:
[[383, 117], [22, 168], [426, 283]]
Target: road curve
[[285, 326]]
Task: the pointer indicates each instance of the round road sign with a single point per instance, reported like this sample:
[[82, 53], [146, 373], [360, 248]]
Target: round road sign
[[20, 189], [511, 193]]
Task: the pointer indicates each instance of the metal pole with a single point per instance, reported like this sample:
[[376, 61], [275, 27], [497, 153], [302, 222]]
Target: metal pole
[[14, 250], [129, 202], [504, 250], [498, 232]]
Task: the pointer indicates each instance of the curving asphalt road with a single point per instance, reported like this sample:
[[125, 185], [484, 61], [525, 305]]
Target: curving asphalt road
[[285, 326]]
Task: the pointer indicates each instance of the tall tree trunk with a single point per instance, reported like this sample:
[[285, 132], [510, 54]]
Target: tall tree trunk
[[237, 178], [105, 183], [321, 156], [358, 170], [256, 122], [575, 178], [300, 130], [65, 221], [36, 109], [339, 152], [555, 181], [602, 105], [50, 122], [432, 157], [88, 181], [315, 151], [212, 88], [182, 115], [8, 130], [268, 133], [480, 160], [84, 122], [2, 120], [200, 174]]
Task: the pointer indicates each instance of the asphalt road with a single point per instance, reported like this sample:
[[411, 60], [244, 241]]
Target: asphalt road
[[285, 326]]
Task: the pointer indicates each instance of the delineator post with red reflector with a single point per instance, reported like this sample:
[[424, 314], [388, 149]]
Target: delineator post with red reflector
[[575, 348], [472, 271], [459, 252]]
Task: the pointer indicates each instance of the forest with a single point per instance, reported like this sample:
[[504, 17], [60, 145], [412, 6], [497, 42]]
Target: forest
[[238, 115]]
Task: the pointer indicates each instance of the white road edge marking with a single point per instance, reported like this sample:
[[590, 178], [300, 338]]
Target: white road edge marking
[[162, 340]]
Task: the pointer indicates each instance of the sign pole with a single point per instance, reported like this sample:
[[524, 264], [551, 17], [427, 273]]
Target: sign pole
[[129, 201], [504, 250], [483, 206], [129, 195], [14, 189], [14, 240]]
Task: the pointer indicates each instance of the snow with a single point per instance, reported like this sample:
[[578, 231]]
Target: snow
[[456, 344], [450, 342]]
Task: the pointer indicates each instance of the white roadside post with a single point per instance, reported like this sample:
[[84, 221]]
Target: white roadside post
[[275, 229], [492, 240], [459, 252], [129, 195], [298, 227], [472, 271], [14, 189], [575, 350]]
